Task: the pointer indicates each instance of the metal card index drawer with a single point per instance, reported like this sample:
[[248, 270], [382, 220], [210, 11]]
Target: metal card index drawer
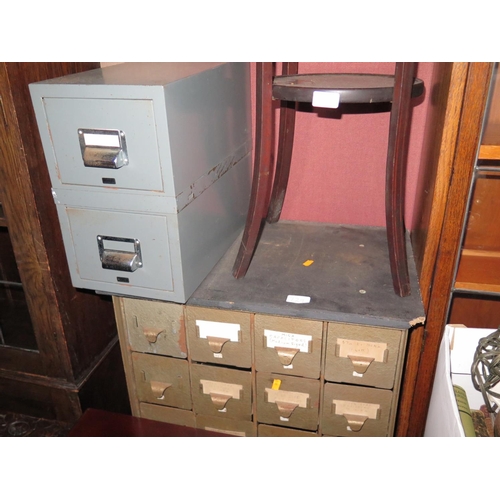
[[150, 171]]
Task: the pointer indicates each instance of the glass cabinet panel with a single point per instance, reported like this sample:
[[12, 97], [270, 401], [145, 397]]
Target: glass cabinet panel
[[479, 267], [16, 329]]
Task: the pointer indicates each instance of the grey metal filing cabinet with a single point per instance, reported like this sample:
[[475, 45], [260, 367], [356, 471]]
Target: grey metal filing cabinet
[[150, 166]]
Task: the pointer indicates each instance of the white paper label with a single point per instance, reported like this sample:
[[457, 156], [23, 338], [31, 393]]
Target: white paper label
[[284, 419], [325, 99], [217, 329], [298, 299], [288, 367], [218, 355], [284, 339], [109, 140]]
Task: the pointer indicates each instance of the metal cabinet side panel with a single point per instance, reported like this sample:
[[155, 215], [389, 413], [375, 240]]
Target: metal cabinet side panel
[[209, 119], [210, 224]]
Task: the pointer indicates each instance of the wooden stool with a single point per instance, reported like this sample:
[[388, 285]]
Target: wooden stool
[[290, 88]]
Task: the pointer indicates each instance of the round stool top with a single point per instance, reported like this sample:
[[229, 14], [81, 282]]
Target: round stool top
[[352, 87]]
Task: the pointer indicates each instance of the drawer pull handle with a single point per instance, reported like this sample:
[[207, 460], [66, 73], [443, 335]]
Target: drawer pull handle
[[286, 354], [103, 148], [220, 400], [356, 422], [360, 363], [286, 409], [216, 343], [151, 334], [159, 388]]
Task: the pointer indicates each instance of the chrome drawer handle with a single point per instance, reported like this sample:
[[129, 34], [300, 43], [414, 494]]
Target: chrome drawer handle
[[103, 148], [120, 260]]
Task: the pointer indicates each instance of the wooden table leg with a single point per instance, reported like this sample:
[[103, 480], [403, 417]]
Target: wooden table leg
[[395, 177], [262, 172], [285, 147]]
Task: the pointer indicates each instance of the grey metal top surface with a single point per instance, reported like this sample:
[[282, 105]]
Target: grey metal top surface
[[135, 74], [349, 280]]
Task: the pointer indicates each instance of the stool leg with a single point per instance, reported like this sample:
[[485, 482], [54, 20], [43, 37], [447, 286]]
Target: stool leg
[[285, 146], [395, 177], [262, 170]]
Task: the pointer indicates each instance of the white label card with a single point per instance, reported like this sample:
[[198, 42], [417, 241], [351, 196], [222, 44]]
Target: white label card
[[325, 99], [217, 329], [284, 339], [298, 299]]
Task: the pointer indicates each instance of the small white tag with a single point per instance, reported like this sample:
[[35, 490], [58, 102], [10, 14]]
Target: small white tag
[[325, 99], [356, 374], [298, 299], [224, 410], [218, 355], [288, 367], [283, 419]]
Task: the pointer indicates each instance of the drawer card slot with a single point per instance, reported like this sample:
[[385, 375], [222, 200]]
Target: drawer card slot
[[361, 353], [287, 401], [220, 392], [356, 413]]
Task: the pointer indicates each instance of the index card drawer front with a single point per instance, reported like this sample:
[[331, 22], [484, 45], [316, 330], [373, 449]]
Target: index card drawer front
[[221, 337], [155, 327], [96, 118], [221, 392], [162, 380], [287, 401], [275, 431], [240, 428], [167, 414], [288, 345], [355, 411], [363, 355]]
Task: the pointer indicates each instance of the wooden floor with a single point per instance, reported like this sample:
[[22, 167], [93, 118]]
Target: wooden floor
[[16, 425]]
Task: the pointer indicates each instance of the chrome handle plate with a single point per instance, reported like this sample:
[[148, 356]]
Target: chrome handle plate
[[120, 259], [103, 148]]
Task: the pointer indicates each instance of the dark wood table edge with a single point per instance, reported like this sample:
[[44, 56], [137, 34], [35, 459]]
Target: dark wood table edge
[[100, 423]]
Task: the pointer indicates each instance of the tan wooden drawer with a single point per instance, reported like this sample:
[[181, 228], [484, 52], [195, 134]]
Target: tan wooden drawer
[[162, 380], [288, 345], [355, 411], [155, 327], [363, 355], [221, 392], [265, 430], [294, 404], [241, 428], [166, 414], [217, 336]]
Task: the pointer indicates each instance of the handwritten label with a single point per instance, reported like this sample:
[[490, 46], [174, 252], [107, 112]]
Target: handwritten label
[[284, 339], [375, 350], [356, 408]]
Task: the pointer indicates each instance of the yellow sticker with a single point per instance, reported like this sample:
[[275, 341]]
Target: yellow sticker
[[307, 263], [276, 384]]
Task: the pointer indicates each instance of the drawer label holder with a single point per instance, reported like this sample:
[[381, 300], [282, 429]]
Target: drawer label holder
[[356, 413], [361, 353]]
